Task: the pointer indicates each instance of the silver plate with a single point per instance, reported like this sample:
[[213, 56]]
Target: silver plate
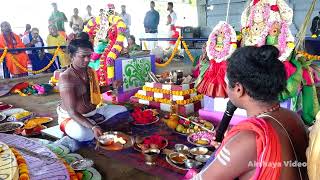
[[129, 141], [196, 144], [137, 148], [157, 119], [12, 111], [81, 164], [4, 126]]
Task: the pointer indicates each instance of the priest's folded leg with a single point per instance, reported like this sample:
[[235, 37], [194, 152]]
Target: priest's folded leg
[[113, 115]]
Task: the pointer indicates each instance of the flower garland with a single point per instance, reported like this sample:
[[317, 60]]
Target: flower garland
[[163, 100], [165, 91], [309, 56], [116, 36], [92, 27], [3, 54], [265, 13], [188, 51], [191, 100], [119, 28], [39, 71], [174, 52], [22, 164], [229, 42], [140, 96], [169, 101], [285, 39], [71, 172]]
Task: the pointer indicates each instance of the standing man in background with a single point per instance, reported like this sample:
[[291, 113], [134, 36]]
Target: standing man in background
[[58, 19], [126, 19], [171, 21], [76, 19], [87, 16], [172, 17], [151, 22]]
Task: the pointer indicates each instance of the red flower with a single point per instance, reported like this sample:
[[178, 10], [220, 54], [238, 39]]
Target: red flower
[[274, 8]]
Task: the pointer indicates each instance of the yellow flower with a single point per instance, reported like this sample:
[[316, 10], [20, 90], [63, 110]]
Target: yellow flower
[[120, 38], [234, 45], [121, 25], [117, 47], [290, 45], [98, 20], [110, 71], [112, 55], [90, 23]]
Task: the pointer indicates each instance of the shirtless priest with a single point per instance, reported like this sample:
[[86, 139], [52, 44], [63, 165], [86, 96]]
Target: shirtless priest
[[78, 115]]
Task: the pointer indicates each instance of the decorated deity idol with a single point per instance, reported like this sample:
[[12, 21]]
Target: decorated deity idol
[[267, 22], [274, 30], [221, 44], [107, 33]]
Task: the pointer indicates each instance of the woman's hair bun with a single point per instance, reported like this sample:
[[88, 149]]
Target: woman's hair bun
[[268, 52], [83, 36]]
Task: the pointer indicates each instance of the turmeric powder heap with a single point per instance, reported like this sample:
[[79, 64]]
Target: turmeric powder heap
[[32, 123]]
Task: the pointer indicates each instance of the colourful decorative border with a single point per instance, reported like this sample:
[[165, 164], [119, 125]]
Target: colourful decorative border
[[166, 91], [182, 109], [169, 101], [22, 164]]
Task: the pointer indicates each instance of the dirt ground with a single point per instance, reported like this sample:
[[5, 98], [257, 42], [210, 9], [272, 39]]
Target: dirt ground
[[109, 168]]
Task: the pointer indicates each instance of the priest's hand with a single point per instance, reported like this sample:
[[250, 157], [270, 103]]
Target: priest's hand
[[97, 131]]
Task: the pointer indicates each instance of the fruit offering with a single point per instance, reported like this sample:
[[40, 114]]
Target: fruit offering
[[144, 116], [171, 121], [153, 142], [186, 127]]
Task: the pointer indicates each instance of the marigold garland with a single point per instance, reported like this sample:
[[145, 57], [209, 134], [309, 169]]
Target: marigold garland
[[3, 54], [169, 101], [187, 51], [140, 96], [174, 52], [191, 100], [309, 56], [39, 71], [71, 172], [162, 100], [165, 91], [22, 164]]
